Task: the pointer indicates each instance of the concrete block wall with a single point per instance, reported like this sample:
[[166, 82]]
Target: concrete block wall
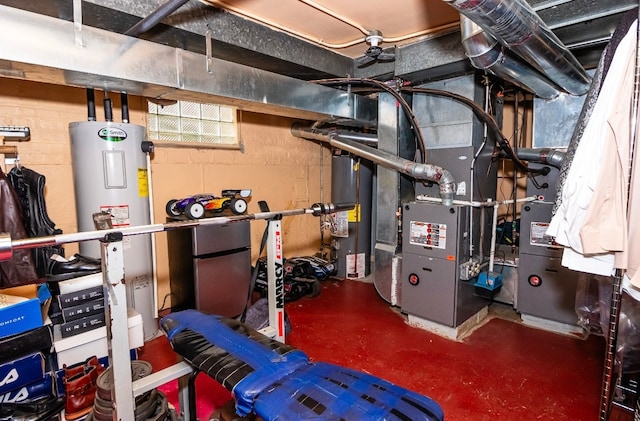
[[282, 170]]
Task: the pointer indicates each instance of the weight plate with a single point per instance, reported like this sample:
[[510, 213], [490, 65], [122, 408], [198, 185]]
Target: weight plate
[[139, 369]]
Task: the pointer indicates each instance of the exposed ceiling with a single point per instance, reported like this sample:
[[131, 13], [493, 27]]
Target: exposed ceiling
[[261, 61], [342, 26], [304, 38]]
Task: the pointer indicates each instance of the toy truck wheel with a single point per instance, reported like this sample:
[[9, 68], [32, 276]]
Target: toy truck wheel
[[171, 208], [238, 206], [194, 210]]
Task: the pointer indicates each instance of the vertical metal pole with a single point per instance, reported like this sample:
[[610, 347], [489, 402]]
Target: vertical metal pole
[[275, 278], [610, 352], [516, 135], [112, 254], [186, 392]]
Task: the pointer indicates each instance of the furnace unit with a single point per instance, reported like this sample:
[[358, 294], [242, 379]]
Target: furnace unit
[[434, 241], [452, 236], [546, 289]]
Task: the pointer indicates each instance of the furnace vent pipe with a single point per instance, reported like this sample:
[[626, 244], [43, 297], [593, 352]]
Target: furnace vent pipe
[[416, 170], [486, 53], [518, 27], [552, 157], [366, 138]]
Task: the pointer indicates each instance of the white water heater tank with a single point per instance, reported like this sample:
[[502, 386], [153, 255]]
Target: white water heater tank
[[110, 176]]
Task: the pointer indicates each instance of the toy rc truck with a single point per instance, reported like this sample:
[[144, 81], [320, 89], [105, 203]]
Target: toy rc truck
[[194, 207]]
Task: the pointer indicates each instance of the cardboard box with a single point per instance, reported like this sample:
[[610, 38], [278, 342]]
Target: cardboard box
[[85, 324], [27, 315], [44, 387], [21, 372], [22, 344], [75, 349], [72, 285], [83, 310], [80, 297]]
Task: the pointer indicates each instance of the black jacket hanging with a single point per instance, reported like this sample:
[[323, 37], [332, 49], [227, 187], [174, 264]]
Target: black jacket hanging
[[21, 269], [29, 186]]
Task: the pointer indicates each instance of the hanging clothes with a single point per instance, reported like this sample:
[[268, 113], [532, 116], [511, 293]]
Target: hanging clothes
[[591, 218], [29, 186], [591, 97], [633, 255], [21, 269]]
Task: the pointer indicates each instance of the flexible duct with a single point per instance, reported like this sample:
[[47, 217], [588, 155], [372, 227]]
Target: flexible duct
[[517, 26], [486, 53], [416, 170]]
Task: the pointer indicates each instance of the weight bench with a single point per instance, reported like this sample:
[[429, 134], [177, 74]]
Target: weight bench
[[278, 382]]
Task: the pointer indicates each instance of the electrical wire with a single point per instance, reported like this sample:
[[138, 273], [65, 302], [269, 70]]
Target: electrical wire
[[483, 116], [397, 94], [386, 88]]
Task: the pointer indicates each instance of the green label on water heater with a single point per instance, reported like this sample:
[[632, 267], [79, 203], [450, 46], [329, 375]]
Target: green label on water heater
[[112, 134]]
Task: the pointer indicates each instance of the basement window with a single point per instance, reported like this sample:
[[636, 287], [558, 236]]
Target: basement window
[[196, 124]]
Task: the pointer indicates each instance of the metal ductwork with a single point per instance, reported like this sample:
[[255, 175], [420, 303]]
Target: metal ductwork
[[517, 26], [119, 63], [486, 53], [416, 170]]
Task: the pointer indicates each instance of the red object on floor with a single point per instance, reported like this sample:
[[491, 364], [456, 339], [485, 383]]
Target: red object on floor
[[503, 371]]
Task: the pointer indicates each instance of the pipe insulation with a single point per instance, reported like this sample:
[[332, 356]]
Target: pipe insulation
[[416, 170], [486, 53], [518, 27]]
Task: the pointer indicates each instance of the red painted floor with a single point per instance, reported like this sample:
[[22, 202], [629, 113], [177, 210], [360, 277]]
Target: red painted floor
[[503, 371]]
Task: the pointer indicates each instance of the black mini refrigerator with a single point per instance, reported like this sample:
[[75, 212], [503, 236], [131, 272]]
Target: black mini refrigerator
[[210, 268]]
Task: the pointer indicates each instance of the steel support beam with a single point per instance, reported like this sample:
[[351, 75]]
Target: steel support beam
[[45, 49], [233, 38]]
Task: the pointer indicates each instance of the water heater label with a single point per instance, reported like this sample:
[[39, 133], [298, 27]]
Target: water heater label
[[143, 182], [428, 234], [353, 215], [355, 266], [340, 226], [119, 215]]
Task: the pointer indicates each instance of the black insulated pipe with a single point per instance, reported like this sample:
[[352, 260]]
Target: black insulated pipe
[[91, 105], [108, 111], [155, 17], [124, 105]]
